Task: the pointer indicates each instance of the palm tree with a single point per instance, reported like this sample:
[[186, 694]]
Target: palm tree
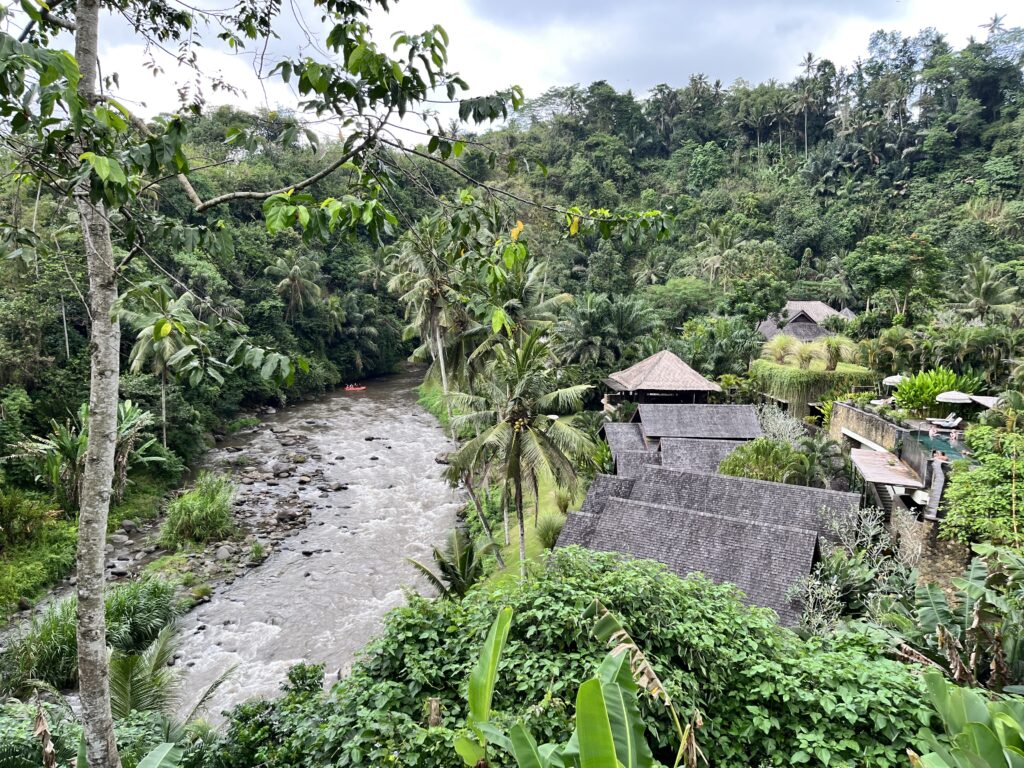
[[334, 309], [522, 429], [897, 344], [650, 270], [460, 565], [297, 281], [816, 462], [168, 333], [582, 333], [837, 349], [806, 98], [359, 329], [720, 240], [985, 291]]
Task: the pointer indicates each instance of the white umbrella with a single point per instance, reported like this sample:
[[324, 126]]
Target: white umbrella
[[953, 396], [893, 381]]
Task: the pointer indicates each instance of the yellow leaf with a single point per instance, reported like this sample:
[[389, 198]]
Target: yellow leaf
[[517, 230], [574, 225]]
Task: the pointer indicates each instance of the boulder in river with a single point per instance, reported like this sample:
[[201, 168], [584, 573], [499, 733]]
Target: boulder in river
[[223, 553]]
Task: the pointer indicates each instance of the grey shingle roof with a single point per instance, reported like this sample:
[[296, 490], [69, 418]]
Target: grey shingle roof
[[578, 529], [728, 422], [695, 454], [624, 437], [802, 331], [603, 487], [631, 463], [761, 559], [661, 372], [752, 500]]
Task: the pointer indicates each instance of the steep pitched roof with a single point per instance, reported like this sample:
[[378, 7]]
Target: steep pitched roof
[[623, 437], [802, 331], [761, 559], [726, 422], [695, 454], [631, 463], [579, 526], [817, 311], [752, 500], [661, 372]]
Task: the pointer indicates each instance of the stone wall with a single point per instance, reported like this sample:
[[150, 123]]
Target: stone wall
[[868, 425]]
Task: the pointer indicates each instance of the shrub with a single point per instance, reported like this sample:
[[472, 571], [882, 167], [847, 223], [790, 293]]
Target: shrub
[[984, 499], [761, 459], [136, 612], [21, 517], [200, 514], [768, 697], [548, 529], [917, 393]]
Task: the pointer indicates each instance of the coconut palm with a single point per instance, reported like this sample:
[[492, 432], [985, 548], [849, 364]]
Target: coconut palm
[[779, 348], [359, 329], [985, 291], [524, 432], [650, 270], [719, 240], [297, 278], [817, 461]]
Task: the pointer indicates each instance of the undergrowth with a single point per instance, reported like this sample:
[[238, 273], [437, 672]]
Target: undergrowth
[[201, 514]]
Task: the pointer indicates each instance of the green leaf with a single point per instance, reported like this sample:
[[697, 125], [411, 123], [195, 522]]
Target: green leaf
[[162, 328], [623, 713], [164, 756], [485, 673], [596, 744], [469, 750], [525, 749]]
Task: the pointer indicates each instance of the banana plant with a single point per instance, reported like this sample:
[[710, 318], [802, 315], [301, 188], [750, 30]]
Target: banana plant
[[977, 732], [609, 733]]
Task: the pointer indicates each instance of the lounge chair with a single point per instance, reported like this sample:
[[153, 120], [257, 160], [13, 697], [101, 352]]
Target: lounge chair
[[884, 401], [950, 422]]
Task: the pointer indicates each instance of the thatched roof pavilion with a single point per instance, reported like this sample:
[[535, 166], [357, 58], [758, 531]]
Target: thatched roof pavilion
[[662, 378]]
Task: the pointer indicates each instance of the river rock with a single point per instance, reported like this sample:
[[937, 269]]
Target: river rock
[[129, 526], [119, 539], [278, 429], [280, 468], [223, 553]]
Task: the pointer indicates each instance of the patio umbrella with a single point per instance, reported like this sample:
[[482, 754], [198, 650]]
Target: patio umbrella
[[953, 396], [893, 381]]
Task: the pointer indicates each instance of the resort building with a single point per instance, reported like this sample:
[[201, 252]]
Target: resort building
[[803, 320], [661, 378]]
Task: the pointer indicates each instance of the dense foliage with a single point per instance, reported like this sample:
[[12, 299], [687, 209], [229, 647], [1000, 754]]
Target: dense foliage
[[765, 694]]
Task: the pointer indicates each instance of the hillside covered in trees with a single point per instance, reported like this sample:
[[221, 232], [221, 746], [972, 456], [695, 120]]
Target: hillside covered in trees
[[522, 256]]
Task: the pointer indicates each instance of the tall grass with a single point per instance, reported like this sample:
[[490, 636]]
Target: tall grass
[[549, 527], [136, 612], [201, 514]]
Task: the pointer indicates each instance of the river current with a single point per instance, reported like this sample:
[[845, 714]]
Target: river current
[[321, 595]]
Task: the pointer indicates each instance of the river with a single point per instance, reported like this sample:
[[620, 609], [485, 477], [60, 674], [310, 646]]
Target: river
[[321, 595]]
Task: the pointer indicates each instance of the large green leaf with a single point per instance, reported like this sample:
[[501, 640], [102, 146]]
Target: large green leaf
[[628, 728], [485, 673], [525, 749], [164, 756], [932, 608], [596, 743], [978, 739]]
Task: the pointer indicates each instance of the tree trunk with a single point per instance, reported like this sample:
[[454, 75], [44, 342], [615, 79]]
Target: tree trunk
[[518, 481], [805, 133], [64, 320], [468, 480], [104, 342], [163, 403], [439, 357]]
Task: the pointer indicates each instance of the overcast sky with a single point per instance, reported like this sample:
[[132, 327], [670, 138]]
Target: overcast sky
[[541, 43]]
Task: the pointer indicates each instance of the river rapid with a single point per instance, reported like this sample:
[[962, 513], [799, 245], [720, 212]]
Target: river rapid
[[321, 595]]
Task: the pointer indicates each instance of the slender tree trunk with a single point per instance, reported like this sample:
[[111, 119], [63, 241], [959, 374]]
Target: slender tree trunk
[[522, 524], [105, 343], [64, 320], [468, 480], [805, 133], [536, 501], [439, 357], [163, 403], [505, 501]]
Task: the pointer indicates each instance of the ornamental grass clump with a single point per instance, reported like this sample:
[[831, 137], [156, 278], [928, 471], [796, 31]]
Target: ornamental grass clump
[[201, 514]]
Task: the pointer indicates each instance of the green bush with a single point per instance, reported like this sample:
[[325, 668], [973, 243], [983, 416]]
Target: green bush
[[27, 569], [767, 697], [548, 529], [985, 498], [22, 517], [136, 612], [761, 459], [800, 386], [200, 514], [917, 393]]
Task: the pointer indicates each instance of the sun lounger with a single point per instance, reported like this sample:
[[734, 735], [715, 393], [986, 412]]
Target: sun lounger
[[951, 422]]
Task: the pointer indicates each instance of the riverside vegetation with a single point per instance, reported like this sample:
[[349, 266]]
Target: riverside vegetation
[[523, 263]]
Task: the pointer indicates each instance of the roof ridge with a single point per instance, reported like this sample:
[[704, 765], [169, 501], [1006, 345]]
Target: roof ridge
[[691, 510]]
